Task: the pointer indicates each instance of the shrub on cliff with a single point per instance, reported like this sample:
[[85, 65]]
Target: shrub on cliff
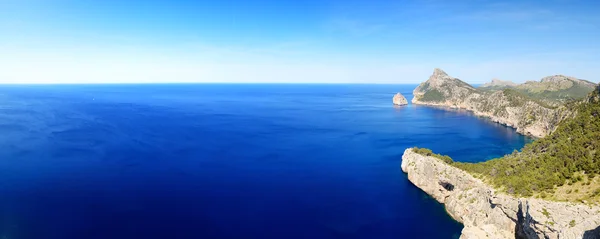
[[428, 152]]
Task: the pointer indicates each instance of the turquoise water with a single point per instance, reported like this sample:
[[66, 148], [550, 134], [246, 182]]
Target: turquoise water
[[225, 161]]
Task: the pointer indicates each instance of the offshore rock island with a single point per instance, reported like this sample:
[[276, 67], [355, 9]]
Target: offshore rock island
[[549, 189], [399, 99]]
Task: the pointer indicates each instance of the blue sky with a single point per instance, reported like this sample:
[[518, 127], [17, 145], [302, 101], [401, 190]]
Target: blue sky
[[349, 41]]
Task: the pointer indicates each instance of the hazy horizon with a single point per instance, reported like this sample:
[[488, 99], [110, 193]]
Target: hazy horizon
[[269, 41]]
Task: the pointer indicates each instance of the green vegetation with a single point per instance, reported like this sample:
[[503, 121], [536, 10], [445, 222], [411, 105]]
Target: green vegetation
[[516, 98], [568, 156], [545, 212], [428, 152], [433, 95], [539, 90], [572, 223]]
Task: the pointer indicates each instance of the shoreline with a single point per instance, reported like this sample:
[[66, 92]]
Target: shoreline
[[489, 117], [486, 213], [473, 113]]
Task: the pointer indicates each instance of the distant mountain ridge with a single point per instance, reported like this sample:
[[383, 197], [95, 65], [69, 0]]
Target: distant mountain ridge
[[533, 108], [551, 89], [498, 84]]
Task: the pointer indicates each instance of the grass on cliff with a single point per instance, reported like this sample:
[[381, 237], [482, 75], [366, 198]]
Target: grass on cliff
[[516, 98], [433, 95], [561, 166], [428, 152]]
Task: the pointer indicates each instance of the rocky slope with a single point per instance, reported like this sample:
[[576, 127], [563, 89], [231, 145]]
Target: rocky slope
[[399, 99], [486, 213], [557, 88], [496, 84], [509, 107]]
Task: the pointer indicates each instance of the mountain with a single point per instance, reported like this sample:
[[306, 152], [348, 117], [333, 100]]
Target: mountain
[[496, 84], [442, 88], [554, 90], [557, 88], [510, 107]]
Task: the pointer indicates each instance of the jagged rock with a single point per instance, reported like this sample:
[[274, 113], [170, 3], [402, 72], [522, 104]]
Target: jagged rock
[[399, 99], [508, 107], [486, 213]]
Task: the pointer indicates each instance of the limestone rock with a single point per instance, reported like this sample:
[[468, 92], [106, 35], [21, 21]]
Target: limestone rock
[[507, 107], [399, 99], [497, 84], [486, 213]]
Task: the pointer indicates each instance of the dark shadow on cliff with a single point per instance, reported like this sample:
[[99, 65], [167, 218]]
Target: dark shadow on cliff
[[592, 234], [522, 228]]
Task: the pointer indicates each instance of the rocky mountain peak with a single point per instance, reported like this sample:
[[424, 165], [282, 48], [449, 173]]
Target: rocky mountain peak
[[498, 82], [439, 78], [554, 78], [561, 79], [439, 72]]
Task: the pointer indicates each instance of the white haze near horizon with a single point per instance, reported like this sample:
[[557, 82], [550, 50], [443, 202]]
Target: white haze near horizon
[[83, 65]]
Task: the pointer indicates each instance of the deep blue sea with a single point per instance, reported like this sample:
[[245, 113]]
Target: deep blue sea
[[225, 161]]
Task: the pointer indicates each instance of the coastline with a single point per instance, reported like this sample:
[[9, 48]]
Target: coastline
[[486, 213], [533, 132], [476, 114]]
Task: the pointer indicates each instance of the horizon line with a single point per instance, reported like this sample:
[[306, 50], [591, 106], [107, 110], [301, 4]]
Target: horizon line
[[201, 83]]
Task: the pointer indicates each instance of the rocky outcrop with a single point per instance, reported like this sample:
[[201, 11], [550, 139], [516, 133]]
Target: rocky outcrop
[[486, 213], [399, 99], [508, 107]]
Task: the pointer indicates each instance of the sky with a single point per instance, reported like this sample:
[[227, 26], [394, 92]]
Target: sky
[[309, 41]]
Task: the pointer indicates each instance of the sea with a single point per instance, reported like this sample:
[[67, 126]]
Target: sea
[[239, 161]]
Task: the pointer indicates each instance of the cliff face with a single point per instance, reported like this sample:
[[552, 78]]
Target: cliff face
[[488, 214], [507, 107]]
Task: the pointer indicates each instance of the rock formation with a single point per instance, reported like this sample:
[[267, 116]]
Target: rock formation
[[486, 213], [509, 107], [399, 99], [497, 84]]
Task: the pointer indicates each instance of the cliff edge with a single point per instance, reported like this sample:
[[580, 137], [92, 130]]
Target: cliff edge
[[486, 213]]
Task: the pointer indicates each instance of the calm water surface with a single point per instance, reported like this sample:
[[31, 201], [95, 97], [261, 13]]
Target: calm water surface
[[225, 161]]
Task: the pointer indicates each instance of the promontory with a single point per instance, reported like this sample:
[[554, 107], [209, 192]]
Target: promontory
[[548, 189], [533, 108]]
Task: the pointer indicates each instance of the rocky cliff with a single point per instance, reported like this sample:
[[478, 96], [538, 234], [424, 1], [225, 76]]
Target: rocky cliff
[[509, 107], [399, 99], [486, 213]]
